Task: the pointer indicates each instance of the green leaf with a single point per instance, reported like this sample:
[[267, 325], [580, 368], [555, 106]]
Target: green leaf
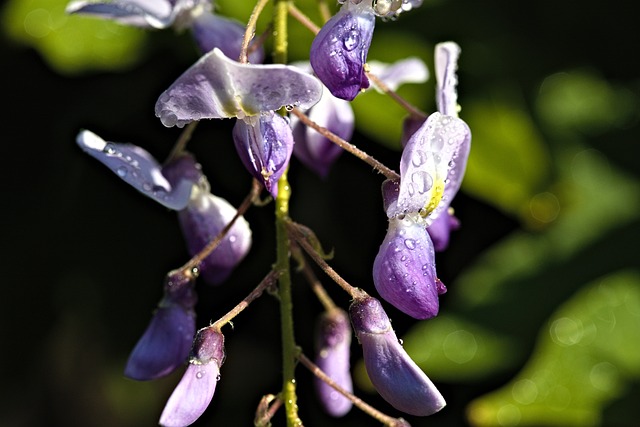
[[585, 357], [71, 44]]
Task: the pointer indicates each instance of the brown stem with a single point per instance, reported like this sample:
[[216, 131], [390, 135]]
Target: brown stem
[[413, 111], [251, 29], [389, 173], [303, 19], [316, 285]]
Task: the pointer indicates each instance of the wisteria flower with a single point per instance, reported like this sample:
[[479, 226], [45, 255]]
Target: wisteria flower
[[192, 395], [165, 344], [208, 30], [332, 357], [394, 375]]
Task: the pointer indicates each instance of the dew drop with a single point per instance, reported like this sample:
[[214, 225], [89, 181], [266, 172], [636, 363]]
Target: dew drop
[[410, 243], [168, 118], [418, 158], [218, 377], [200, 374], [109, 149], [404, 258], [422, 181], [146, 186], [351, 40], [122, 171]]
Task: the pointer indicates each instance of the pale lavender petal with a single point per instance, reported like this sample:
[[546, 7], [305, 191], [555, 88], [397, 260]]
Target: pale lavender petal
[[182, 167], [404, 271], [431, 166], [446, 63], [339, 50], [165, 344], [394, 375], [192, 395], [314, 150], [264, 144], [138, 168], [211, 31], [332, 357], [202, 220], [139, 13], [440, 230], [218, 87], [409, 70]]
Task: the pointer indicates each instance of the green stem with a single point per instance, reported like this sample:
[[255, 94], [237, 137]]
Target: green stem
[[289, 349]]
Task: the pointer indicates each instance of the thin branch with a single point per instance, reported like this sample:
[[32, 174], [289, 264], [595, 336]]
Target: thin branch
[[316, 285], [251, 29], [412, 110], [182, 141], [303, 19]]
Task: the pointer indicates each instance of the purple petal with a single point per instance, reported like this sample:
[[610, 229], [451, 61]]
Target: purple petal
[[394, 375], [409, 70], [339, 50], [264, 144], [182, 167], [390, 191], [211, 31], [440, 230], [404, 271], [165, 344], [410, 125], [314, 150], [431, 166], [138, 168], [218, 87], [204, 217], [193, 394], [446, 63], [139, 13], [332, 357]]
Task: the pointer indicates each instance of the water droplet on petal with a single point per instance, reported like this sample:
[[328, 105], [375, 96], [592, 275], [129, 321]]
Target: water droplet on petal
[[422, 181], [200, 374], [418, 158], [109, 149], [122, 171], [351, 40], [410, 243]]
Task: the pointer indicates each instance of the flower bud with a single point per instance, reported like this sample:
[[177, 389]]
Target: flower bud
[[404, 271], [339, 50], [201, 221], [392, 372], [264, 144], [192, 395], [332, 357]]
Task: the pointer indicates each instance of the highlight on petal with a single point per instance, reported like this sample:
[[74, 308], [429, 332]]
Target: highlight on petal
[[138, 168], [218, 87], [409, 70], [314, 150], [446, 64], [339, 50], [211, 31], [431, 166], [404, 271], [201, 221], [192, 395], [333, 342], [165, 344], [264, 144], [138, 13], [392, 372]]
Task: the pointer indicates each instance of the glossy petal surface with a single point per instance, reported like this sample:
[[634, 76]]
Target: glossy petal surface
[[204, 217], [394, 375], [138, 168], [339, 50], [404, 271], [218, 87]]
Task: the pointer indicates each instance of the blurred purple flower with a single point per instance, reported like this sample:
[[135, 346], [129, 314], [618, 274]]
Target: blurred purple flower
[[192, 395], [440, 229], [394, 375], [332, 357]]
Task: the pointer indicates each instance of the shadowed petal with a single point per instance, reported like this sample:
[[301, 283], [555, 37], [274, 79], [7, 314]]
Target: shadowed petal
[[339, 50], [332, 356], [404, 271], [394, 375], [218, 87], [138, 168], [211, 31], [440, 229]]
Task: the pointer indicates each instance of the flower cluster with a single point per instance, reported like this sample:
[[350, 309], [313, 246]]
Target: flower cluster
[[230, 81]]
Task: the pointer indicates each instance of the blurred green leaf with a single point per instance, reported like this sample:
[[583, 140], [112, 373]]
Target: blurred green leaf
[[71, 44], [585, 356]]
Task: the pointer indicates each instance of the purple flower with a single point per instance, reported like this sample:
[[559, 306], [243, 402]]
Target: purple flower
[[165, 344], [404, 271], [394, 375], [208, 29], [264, 144], [332, 357], [216, 87], [339, 50], [192, 395], [139, 169], [201, 221]]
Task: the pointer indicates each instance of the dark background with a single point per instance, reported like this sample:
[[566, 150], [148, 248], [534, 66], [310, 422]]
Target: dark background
[[84, 256]]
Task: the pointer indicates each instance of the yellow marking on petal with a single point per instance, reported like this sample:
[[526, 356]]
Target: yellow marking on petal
[[436, 196]]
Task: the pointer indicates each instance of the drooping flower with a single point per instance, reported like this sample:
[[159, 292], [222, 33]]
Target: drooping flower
[[332, 357], [208, 30], [165, 344], [194, 392], [179, 185], [339, 50], [394, 375]]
